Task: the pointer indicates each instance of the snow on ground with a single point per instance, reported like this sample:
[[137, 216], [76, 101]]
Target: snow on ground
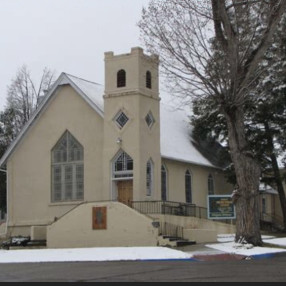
[[225, 244], [234, 248], [91, 254], [231, 237], [228, 245], [277, 241]]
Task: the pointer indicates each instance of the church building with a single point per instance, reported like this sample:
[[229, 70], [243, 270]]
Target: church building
[[92, 157]]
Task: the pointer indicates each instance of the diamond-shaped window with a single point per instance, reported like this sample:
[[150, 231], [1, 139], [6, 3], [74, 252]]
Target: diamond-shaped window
[[150, 119], [121, 119]]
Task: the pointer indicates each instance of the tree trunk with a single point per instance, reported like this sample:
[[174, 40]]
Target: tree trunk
[[247, 171], [277, 175]]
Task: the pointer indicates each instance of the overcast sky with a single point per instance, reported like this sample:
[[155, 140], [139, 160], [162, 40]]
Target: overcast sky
[[64, 35]]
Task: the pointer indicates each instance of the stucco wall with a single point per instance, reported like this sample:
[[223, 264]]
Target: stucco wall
[[176, 182], [125, 227], [200, 228], [136, 101], [29, 167]]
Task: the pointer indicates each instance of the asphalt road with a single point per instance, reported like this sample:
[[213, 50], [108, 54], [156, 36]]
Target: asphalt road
[[264, 270]]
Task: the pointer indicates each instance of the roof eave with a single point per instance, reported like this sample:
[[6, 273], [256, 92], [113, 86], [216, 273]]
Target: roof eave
[[190, 162]]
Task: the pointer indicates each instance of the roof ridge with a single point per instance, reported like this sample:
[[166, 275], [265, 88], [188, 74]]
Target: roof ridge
[[70, 75]]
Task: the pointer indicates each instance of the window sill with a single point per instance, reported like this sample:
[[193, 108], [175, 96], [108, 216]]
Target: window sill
[[65, 203]]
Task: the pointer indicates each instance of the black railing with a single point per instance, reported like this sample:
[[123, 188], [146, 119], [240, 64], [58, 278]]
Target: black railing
[[170, 208], [171, 230]]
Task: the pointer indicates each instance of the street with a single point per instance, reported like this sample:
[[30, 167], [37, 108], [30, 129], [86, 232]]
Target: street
[[263, 270]]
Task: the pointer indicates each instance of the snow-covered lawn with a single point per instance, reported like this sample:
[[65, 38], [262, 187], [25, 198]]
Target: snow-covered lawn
[[225, 245], [228, 245], [91, 254], [247, 250]]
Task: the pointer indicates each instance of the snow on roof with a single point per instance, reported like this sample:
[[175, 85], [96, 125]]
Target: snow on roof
[[281, 162], [175, 125], [91, 89], [176, 140], [264, 188]]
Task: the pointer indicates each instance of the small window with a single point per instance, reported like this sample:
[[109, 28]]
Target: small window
[[150, 119], [188, 186], [263, 205], [148, 80], [149, 178], [210, 185], [121, 78], [121, 119], [163, 183]]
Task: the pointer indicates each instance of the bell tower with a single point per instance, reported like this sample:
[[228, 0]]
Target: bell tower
[[131, 156]]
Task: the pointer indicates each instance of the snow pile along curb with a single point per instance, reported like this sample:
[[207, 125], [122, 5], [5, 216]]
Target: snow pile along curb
[[92, 254], [254, 252]]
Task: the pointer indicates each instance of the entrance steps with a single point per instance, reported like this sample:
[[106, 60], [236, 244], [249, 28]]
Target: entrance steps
[[173, 241]]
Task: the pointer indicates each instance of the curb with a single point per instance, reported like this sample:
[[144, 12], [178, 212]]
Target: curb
[[268, 255]]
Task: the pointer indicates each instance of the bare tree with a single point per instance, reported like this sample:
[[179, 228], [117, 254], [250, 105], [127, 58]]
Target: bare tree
[[24, 96], [215, 48]]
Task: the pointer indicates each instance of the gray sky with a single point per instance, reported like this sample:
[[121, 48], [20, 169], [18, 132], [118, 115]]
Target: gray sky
[[64, 35]]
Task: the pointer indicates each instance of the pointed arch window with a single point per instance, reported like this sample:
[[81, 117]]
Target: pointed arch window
[[122, 166], [149, 178], [210, 185], [148, 79], [163, 183], [67, 170], [188, 186], [121, 78]]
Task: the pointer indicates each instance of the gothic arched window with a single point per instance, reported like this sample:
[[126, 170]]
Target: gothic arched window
[[122, 166], [149, 178], [148, 79], [188, 186], [163, 183], [67, 170], [121, 78]]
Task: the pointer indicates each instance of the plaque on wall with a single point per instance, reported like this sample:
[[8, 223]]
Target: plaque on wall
[[99, 217]]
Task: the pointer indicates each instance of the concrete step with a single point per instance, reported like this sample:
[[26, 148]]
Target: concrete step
[[184, 242], [175, 241]]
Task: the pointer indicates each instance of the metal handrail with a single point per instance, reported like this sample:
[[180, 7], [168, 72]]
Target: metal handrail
[[170, 208]]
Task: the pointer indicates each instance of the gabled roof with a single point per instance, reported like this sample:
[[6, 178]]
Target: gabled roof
[[176, 140], [91, 92]]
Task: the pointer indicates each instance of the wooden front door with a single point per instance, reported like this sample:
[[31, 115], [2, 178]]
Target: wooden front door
[[125, 192]]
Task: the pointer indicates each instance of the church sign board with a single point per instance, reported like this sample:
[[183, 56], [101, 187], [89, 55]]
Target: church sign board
[[221, 207]]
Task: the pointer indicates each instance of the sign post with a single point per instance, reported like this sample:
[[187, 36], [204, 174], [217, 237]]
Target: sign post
[[221, 207]]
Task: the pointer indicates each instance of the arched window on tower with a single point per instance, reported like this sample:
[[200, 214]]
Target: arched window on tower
[[148, 79], [122, 166], [121, 78]]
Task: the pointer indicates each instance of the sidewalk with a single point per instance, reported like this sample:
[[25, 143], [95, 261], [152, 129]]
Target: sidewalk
[[226, 249]]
